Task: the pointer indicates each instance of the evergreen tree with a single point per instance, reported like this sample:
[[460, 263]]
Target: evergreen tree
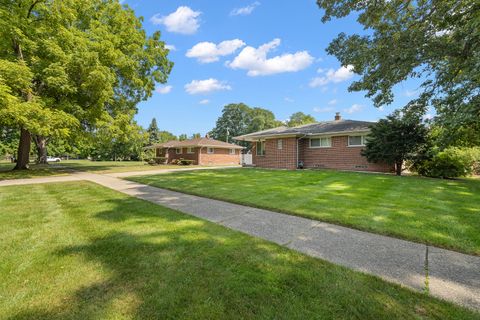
[[153, 132], [396, 139]]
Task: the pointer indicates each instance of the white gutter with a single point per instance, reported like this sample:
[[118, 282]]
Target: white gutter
[[283, 135]]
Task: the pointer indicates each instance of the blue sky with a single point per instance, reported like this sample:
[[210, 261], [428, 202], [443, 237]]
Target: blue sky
[[268, 54]]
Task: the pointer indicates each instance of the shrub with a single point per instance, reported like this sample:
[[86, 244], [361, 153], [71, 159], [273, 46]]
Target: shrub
[[185, 162], [450, 163], [157, 160]]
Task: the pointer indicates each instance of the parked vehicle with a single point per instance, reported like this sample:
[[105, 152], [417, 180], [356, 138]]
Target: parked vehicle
[[53, 159]]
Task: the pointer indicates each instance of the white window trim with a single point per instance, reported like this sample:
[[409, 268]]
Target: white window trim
[[256, 149], [363, 139], [319, 147], [231, 151], [210, 148], [177, 150], [279, 144], [190, 150]]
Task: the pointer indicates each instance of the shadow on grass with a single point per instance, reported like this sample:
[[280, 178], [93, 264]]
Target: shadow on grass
[[443, 213], [160, 264]]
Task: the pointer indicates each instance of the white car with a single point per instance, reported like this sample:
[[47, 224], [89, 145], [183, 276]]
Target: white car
[[53, 159]]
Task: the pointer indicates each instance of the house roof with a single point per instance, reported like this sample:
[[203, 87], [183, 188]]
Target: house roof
[[197, 142], [318, 128]]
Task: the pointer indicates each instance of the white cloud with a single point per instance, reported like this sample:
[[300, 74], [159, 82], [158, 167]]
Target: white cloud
[[204, 101], [411, 93], [323, 110], [207, 52], [287, 99], [333, 76], [256, 62], [184, 20], [354, 108], [164, 89], [206, 86], [245, 10], [170, 47], [332, 102]]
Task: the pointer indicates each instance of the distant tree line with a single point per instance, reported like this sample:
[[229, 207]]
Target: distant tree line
[[238, 119]]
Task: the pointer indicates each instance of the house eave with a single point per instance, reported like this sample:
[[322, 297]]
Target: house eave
[[302, 135]]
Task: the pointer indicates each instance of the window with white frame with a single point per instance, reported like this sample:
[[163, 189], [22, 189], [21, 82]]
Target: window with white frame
[[280, 144], [322, 142], [232, 151], [190, 150], [178, 150], [210, 150], [357, 141], [260, 148]]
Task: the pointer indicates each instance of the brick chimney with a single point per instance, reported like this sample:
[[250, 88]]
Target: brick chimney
[[338, 117]]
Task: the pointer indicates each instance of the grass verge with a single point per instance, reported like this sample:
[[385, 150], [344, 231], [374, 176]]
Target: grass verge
[[443, 213], [81, 251]]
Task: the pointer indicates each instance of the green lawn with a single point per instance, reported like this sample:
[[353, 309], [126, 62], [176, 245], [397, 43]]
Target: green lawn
[[81, 251], [66, 166], [34, 171], [445, 213]]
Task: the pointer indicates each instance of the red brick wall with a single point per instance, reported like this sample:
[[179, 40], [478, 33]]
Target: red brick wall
[[285, 158], [338, 156], [172, 155], [220, 156]]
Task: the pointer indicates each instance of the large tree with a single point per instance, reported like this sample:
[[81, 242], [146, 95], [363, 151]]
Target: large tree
[[165, 136], [66, 64], [262, 119], [234, 121], [119, 138], [238, 119], [437, 41], [395, 139], [300, 118]]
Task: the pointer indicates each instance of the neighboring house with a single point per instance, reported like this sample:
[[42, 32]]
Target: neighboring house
[[202, 151], [331, 144]]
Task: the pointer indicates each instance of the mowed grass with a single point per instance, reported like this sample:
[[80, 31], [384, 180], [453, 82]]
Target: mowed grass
[[444, 213], [81, 251], [66, 166], [36, 170], [108, 166]]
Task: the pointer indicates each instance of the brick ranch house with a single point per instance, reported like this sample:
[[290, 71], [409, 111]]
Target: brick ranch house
[[203, 151], [331, 144]]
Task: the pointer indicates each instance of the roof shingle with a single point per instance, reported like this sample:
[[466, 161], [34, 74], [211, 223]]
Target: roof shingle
[[324, 127], [198, 142]]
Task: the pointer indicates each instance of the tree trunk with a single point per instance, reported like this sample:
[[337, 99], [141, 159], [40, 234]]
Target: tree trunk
[[41, 144], [398, 168], [23, 156]]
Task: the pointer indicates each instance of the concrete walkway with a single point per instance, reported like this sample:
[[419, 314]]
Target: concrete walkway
[[160, 171], [445, 274]]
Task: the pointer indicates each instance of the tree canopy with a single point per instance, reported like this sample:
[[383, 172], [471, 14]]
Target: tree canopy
[[435, 41], [238, 119], [396, 139], [66, 64], [300, 118]]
